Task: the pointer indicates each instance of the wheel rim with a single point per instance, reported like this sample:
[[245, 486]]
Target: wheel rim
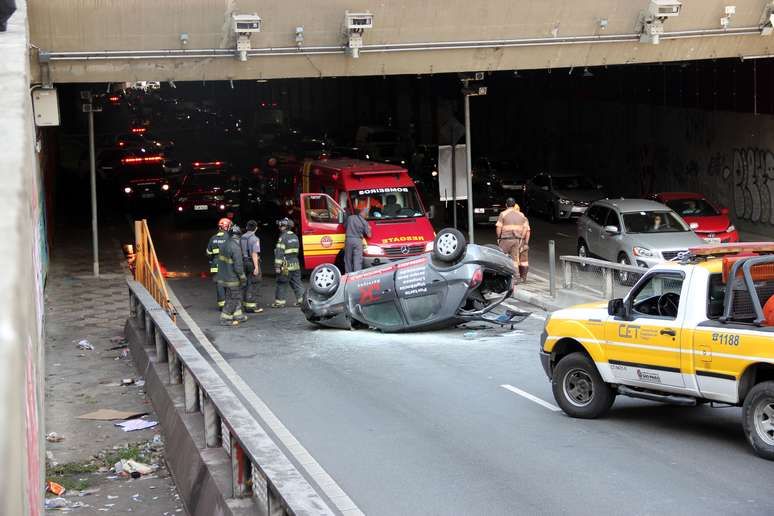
[[578, 387], [324, 278], [447, 244], [764, 422]]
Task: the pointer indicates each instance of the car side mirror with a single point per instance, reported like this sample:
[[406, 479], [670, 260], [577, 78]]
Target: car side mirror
[[616, 308], [612, 230], [724, 211], [431, 212]]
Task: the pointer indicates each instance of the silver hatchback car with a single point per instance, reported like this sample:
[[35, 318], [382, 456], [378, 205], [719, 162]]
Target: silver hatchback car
[[633, 232]]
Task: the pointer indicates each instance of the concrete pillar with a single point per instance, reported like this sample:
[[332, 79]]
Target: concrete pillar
[[191, 392], [149, 330], [607, 277], [140, 315], [241, 468], [132, 304], [567, 275], [211, 423], [161, 346], [175, 373]]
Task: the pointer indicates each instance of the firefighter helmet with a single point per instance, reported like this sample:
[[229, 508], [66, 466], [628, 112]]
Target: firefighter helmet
[[285, 223], [224, 224]]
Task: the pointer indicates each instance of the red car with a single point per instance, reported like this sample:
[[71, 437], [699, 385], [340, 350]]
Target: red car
[[707, 220]]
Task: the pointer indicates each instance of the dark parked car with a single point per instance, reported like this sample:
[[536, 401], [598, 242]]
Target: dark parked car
[[453, 284], [207, 194], [561, 196]]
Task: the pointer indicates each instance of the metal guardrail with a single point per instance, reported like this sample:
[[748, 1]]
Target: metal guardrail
[[608, 269], [147, 269], [259, 467]]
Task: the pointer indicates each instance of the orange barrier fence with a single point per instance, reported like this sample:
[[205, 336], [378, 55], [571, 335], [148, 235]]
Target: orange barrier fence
[[147, 269]]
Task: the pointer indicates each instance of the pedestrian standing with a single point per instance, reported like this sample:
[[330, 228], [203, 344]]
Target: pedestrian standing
[[251, 250], [231, 277], [286, 265], [213, 249], [513, 233], [357, 229]]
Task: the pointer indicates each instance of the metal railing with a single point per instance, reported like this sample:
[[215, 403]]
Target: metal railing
[[599, 278], [147, 269], [260, 469]]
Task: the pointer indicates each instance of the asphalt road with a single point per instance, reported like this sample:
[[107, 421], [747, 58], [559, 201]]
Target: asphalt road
[[420, 423]]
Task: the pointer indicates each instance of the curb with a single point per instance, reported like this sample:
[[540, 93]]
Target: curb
[[538, 300]]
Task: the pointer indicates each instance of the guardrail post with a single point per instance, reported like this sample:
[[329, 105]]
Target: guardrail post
[[276, 508], [161, 346], [607, 278], [149, 330], [241, 468], [211, 423], [552, 268], [132, 304], [567, 274], [175, 372], [140, 316], [191, 392]]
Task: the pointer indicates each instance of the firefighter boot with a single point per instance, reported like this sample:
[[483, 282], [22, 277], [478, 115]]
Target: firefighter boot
[[523, 269], [278, 303]]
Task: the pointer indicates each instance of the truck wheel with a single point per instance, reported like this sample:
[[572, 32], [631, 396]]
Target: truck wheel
[[449, 245], [579, 389], [325, 279], [758, 419]]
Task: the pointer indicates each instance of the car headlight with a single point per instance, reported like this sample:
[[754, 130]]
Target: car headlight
[[730, 228], [374, 250], [479, 210], [165, 187], [217, 197], [127, 190], [565, 201], [429, 246], [642, 251]]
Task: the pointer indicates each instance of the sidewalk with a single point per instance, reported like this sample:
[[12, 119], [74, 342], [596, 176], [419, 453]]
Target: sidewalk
[[536, 292], [82, 454]]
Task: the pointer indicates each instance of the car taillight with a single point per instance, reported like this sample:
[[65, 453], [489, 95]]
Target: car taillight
[[138, 130], [141, 159], [478, 277]]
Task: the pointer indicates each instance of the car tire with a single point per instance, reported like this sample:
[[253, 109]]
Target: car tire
[[579, 389], [624, 278], [325, 279], [583, 252], [758, 419], [449, 245]]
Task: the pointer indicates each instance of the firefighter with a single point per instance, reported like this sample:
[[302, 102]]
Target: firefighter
[[357, 229], [286, 264], [513, 234], [251, 249], [213, 249], [231, 276]]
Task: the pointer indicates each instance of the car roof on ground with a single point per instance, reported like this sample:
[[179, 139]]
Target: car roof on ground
[[668, 196], [632, 205]]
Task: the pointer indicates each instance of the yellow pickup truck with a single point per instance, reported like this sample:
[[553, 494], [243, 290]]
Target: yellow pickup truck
[[695, 330]]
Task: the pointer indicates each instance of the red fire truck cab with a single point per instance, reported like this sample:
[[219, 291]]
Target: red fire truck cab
[[399, 225]]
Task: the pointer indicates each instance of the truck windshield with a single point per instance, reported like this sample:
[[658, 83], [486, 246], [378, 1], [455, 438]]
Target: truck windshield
[[387, 203], [653, 222]]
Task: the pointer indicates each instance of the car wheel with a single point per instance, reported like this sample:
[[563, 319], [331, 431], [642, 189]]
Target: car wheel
[[551, 212], [449, 245], [758, 419], [624, 278], [579, 389], [325, 279], [583, 252]]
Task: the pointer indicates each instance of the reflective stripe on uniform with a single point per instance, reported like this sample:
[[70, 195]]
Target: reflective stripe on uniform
[[229, 283], [291, 250], [225, 259], [250, 305], [213, 269], [221, 304], [215, 250]]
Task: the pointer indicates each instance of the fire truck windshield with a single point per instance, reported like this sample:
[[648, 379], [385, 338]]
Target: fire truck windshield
[[387, 203]]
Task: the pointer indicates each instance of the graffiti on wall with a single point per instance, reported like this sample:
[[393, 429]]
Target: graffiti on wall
[[751, 177]]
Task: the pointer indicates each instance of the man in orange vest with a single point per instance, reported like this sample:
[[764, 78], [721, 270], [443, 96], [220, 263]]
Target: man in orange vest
[[513, 234]]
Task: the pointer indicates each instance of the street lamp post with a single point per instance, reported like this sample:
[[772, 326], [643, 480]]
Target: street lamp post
[[470, 90], [89, 108]]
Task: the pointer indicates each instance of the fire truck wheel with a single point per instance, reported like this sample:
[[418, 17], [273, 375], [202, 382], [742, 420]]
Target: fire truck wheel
[[325, 279], [579, 389], [449, 245], [758, 419]]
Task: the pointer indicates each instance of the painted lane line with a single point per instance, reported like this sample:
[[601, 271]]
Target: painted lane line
[[324, 481], [530, 397], [562, 234]]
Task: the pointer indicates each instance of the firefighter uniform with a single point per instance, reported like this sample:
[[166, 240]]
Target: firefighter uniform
[[287, 267], [250, 245], [513, 233], [231, 276], [213, 249]]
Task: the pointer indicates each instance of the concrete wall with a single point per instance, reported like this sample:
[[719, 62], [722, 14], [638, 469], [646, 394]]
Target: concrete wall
[[96, 25], [21, 281]]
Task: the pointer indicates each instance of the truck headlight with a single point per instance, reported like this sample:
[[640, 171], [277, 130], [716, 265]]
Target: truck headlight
[[479, 210], [642, 251], [374, 250]]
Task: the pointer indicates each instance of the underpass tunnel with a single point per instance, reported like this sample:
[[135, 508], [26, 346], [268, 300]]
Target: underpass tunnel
[[696, 126]]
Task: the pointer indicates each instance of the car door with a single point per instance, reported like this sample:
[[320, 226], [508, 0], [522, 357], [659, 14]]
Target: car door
[[591, 227], [322, 229], [421, 290], [610, 243], [644, 348]]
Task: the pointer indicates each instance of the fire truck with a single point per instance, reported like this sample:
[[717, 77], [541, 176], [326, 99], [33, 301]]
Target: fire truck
[[328, 189]]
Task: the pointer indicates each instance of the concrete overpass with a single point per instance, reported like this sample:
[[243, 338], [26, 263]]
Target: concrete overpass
[[99, 40]]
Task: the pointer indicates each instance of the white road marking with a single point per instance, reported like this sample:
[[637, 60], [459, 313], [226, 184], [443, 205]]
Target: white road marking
[[530, 397], [562, 234], [324, 481]]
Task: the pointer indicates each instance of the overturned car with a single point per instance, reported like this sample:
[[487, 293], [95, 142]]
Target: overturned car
[[453, 284]]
